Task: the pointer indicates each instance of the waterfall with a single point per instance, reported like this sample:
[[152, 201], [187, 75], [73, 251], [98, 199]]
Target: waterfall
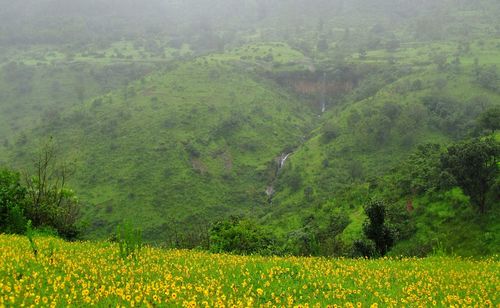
[[283, 159], [281, 163]]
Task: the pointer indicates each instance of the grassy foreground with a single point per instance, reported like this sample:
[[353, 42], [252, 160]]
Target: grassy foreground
[[86, 273]]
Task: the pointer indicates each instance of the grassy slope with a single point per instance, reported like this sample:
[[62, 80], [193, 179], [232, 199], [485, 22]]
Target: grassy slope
[[94, 274], [199, 141], [339, 171], [50, 79], [49, 89], [190, 144]]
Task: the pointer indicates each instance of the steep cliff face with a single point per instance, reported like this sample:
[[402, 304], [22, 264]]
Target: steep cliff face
[[319, 89]]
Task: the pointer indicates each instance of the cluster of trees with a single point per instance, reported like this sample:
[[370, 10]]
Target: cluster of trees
[[42, 198], [471, 165], [245, 236], [241, 236]]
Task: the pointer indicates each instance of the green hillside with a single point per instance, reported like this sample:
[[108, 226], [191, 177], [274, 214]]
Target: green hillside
[[34, 95], [360, 142], [185, 145], [282, 120]]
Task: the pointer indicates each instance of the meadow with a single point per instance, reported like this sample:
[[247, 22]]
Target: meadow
[[93, 273]]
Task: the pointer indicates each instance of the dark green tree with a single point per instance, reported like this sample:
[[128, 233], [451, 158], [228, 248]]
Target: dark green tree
[[376, 229], [490, 119], [239, 236], [473, 166], [12, 202], [420, 172]]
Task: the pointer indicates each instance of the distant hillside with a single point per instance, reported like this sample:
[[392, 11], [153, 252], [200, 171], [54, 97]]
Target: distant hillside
[[369, 135], [185, 146]]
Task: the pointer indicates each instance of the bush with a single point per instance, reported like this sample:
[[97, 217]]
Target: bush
[[313, 239], [129, 240], [240, 236], [363, 249], [488, 78], [490, 119], [330, 132], [16, 222], [12, 203]]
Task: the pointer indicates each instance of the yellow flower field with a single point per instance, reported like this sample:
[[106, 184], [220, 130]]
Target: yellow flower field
[[87, 273]]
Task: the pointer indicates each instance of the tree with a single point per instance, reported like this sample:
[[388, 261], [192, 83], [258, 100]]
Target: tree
[[49, 201], [376, 229], [473, 166], [12, 202], [488, 78], [490, 119], [420, 172], [441, 61], [240, 236]]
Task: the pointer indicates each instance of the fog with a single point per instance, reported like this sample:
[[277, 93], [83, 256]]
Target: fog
[[96, 21]]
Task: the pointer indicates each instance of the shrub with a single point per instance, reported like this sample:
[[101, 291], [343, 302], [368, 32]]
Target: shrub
[[12, 203], [129, 240], [363, 248], [240, 236], [330, 132], [30, 234]]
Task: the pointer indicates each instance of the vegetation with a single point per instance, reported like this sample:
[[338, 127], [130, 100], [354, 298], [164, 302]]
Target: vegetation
[[95, 274], [12, 201], [293, 117], [41, 201], [473, 166], [240, 236], [249, 153], [129, 240], [490, 119], [376, 229]]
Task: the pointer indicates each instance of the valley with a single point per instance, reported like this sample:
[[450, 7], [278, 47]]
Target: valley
[[289, 117]]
